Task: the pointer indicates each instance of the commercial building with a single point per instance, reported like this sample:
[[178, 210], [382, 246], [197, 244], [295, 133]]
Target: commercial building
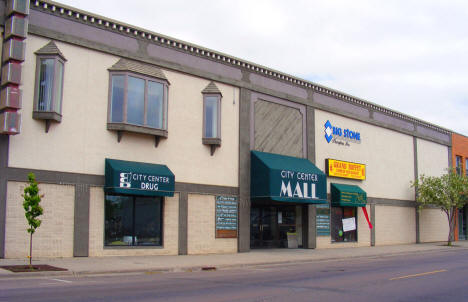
[[460, 163], [148, 145]]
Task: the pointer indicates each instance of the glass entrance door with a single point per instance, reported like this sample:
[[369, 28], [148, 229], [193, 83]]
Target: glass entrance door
[[269, 225], [462, 221]]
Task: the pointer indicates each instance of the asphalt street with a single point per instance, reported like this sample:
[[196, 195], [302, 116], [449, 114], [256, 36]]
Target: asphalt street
[[426, 276]]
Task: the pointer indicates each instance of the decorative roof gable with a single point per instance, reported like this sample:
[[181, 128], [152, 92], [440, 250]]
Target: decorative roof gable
[[137, 67], [212, 88], [50, 49]]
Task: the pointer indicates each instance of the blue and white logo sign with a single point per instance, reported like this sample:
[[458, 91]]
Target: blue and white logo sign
[[338, 135], [328, 131]]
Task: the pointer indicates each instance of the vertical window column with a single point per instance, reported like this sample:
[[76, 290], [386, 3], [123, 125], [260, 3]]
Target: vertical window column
[[48, 93], [211, 117]]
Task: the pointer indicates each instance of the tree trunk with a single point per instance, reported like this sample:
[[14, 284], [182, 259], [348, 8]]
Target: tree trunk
[[30, 251], [451, 226]]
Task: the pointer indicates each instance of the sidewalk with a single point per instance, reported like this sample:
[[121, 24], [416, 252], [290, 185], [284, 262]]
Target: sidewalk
[[155, 264]]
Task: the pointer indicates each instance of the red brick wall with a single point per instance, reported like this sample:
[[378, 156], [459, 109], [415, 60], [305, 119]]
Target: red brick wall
[[459, 148]]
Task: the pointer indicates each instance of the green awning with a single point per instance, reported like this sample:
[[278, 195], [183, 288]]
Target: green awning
[[134, 178], [286, 179], [347, 196]]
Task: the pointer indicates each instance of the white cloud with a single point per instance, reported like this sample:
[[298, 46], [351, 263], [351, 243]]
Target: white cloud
[[410, 56]]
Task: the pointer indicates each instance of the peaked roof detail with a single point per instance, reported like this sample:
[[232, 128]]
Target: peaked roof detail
[[144, 69], [50, 49], [212, 88]]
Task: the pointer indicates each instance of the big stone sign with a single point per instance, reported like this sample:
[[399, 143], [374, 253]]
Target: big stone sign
[[341, 136]]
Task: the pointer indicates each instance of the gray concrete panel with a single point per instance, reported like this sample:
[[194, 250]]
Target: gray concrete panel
[[341, 105], [432, 133], [277, 85], [416, 176], [311, 134], [83, 31], [4, 145], [311, 226], [278, 129], [244, 171], [391, 202], [194, 61], [392, 121], [183, 223], [372, 219], [81, 223], [55, 177]]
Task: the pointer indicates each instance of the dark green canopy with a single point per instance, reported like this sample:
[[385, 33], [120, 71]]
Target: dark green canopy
[[347, 196], [134, 178], [287, 179]]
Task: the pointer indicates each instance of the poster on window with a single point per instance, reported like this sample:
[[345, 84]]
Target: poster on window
[[226, 217], [349, 224]]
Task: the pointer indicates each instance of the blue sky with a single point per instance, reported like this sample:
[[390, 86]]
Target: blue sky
[[409, 56]]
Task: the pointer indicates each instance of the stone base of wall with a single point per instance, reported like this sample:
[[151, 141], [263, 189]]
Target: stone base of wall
[[54, 237], [395, 225], [201, 228], [433, 225]]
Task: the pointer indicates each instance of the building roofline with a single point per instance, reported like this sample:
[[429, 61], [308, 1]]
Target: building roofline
[[193, 49]]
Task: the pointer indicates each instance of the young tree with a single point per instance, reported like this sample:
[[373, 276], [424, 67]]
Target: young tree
[[32, 209], [448, 192]]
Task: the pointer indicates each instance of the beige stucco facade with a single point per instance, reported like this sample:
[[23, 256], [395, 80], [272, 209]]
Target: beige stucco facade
[[387, 154], [54, 237], [201, 227], [96, 229], [433, 158], [81, 141]]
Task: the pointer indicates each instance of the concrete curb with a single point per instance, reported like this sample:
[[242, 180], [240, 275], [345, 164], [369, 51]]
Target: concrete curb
[[196, 268]]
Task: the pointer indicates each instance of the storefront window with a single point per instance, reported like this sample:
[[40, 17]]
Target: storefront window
[[133, 221], [466, 167], [458, 165], [338, 234]]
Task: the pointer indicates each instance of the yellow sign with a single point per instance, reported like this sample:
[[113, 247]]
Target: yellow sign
[[344, 169]]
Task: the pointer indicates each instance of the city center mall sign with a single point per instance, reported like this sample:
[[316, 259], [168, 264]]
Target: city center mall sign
[[344, 169]]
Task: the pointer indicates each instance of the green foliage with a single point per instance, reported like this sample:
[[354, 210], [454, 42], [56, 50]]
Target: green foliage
[[32, 209], [31, 204], [448, 192]]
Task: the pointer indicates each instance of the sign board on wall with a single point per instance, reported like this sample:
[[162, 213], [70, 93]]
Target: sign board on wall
[[349, 224], [344, 169], [323, 220], [226, 216]]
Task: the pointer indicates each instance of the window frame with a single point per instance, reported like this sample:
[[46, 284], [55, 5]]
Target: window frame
[[466, 167], [332, 227], [217, 139], [459, 164], [51, 114], [130, 127], [133, 246]]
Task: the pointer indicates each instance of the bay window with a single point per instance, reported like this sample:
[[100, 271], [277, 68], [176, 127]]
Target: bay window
[[212, 116], [138, 99], [48, 92]]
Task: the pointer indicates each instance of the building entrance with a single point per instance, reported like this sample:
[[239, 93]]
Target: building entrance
[[462, 222], [269, 225]]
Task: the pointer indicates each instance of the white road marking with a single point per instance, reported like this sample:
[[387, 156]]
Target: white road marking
[[60, 280]]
